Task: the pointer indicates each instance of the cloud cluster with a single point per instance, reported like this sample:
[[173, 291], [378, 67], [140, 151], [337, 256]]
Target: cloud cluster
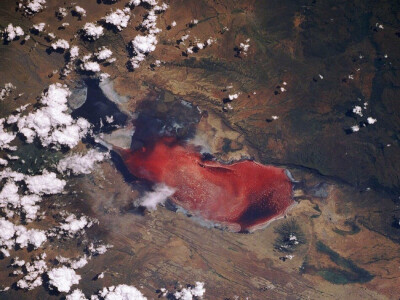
[[358, 114], [33, 272], [159, 195], [63, 278], [12, 32], [188, 293], [76, 295], [90, 66], [32, 6], [143, 45], [60, 44], [121, 291], [51, 124], [6, 137], [91, 31], [45, 184], [38, 27], [12, 235], [103, 53], [80, 11], [72, 226], [119, 18], [81, 164], [7, 90]]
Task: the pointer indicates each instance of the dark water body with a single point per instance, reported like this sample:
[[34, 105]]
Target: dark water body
[[158, 119], [97, 107]]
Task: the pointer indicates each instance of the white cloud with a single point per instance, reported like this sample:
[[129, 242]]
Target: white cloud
[[98, 250], [103, 53], [74, 52], [50, 123], [92, 31], [76, 295], [138, 2], [60, 44], [62, 12], [17, 262], [11, 235], [72, 225], [33, 273], [5, 137], [7, 90], [81, 164], [142, 45], [9, 195], [150, 22], [32, 237], [90, 66], [120, 292], [103, 76], [47, 183], [63, 278], [357, 110], [11, 33], [79, 263], [188, 293], [135, 2], [245, 46], [29, 207], [118, 18], [39, 27], [8, 173], [34, 6], [159, 195], [80, 11], [7, 232], [355, 128], [371, 120], [150, 2], [233, 96], [73, 263]]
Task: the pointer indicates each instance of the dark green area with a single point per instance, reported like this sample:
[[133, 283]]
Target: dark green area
[[33, 159], [290, 236], [351, 274], [354, 229], [227, 145], [316, 207]]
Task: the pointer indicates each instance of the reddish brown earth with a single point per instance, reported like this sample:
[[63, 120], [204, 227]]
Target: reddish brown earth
[[244, 193]]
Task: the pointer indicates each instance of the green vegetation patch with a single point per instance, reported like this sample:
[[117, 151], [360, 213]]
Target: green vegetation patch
[[354, 229], [351, 274]]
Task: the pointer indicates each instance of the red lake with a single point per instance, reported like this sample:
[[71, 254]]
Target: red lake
[[242, 195]]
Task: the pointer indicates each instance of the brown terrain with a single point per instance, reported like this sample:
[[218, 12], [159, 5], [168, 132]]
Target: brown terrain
[[348, 195]]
